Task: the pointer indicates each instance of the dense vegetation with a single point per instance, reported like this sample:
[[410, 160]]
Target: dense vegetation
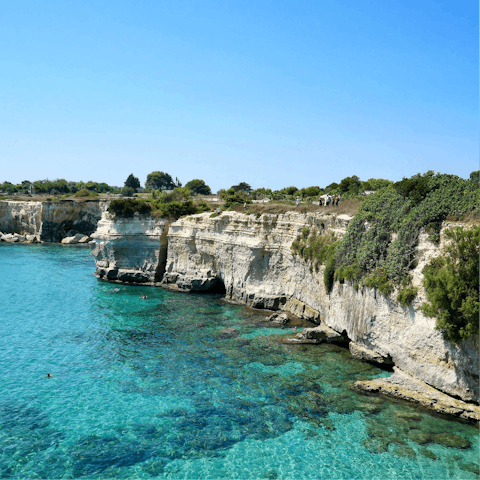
[[379, 248], [171, 205], [349, 187], [198, 187], [452, 285], [161, 181], [128, 207], [55, 187]]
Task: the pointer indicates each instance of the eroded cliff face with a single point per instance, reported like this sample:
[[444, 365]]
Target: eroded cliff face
[[50, 221], [252, 258], [20, 217], [60, 217], [130, 249]]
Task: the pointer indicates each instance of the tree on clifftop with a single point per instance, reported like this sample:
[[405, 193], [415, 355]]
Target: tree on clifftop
[[132, 182], [475, 176], [198, 186], [161, 181], [242, 187]]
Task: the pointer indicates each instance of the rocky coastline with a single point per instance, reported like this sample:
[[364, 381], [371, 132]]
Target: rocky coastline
[[49, 221], [249, 259]]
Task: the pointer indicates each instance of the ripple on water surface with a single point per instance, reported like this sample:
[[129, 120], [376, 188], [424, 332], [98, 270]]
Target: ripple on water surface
[[187, 386]]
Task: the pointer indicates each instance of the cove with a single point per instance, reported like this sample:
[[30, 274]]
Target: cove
[[187, 386]]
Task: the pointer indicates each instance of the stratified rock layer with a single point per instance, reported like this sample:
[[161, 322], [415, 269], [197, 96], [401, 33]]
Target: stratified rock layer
[[130, 249], [251, 257], [50, 221], [401, 385]]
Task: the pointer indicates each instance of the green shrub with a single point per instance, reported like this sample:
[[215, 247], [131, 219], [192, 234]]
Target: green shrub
[[127, 192], [317, 249], [84, 193], [406, 295], [350, 272], [235, 198], [176, 209], [128, 207], [329, 274], [407, 207], [379, 279], [452, 285]]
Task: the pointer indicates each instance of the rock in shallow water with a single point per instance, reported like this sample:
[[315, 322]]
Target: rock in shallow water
[[279, 318]]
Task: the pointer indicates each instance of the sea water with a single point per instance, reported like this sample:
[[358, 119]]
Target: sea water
[[188, 386]]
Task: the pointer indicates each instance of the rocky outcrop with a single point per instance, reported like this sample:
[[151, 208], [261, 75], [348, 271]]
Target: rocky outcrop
[[50, 221], [76, 239], [319, 334], [60, 217], [363, 353], [20, 217], [401, 385], [130, 249], [251, 259]]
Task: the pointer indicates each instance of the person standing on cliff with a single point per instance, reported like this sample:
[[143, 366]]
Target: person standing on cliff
[[298, 201]]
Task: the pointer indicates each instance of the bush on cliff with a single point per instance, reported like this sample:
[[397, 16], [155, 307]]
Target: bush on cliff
[[176, 209], [177, 204], [422, 202], [84, 192], [379, 248], [234, 199], [452, 283], [127, 192], [128, 207]]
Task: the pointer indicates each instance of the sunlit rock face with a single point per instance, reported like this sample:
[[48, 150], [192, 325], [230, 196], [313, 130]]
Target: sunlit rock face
[[50, 221], [20, 217], [251, 259], [58, 218], [130, 249]]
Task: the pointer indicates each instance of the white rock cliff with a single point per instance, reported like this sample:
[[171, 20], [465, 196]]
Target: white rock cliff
[[130, 249], [252, 258]]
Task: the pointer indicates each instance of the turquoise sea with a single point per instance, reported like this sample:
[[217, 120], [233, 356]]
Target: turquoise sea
[[188, 386]]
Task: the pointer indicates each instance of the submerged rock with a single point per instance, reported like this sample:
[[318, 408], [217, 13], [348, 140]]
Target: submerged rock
[[363, 353], [280, 318], [404, 386], [77, 238], [320, 334]]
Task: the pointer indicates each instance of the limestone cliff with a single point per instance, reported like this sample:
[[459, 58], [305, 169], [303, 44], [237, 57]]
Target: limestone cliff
[[130, 249], [50, 221], [251, 257], [20, 217]]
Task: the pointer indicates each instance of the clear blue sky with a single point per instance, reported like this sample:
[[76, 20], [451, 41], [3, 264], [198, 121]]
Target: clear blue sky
[[274, 93]]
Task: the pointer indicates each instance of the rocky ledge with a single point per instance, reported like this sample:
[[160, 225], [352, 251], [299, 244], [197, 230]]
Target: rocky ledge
[[18, 238], [403, 386]]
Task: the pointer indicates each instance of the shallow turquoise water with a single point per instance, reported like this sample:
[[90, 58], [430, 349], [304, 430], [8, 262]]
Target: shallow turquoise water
[[157, 388]]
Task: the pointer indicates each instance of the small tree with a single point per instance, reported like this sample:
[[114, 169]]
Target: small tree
[[132, 182], [127, 192], [452, 284], [198, 187], [242, 187], [350, 185], [161, 181], [332, 187], [475, 176], [310, 192]]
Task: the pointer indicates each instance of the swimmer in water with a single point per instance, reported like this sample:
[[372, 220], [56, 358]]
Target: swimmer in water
[[50, 375]]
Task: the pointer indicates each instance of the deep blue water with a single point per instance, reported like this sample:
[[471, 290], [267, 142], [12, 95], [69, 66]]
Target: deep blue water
[[157, 388]]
